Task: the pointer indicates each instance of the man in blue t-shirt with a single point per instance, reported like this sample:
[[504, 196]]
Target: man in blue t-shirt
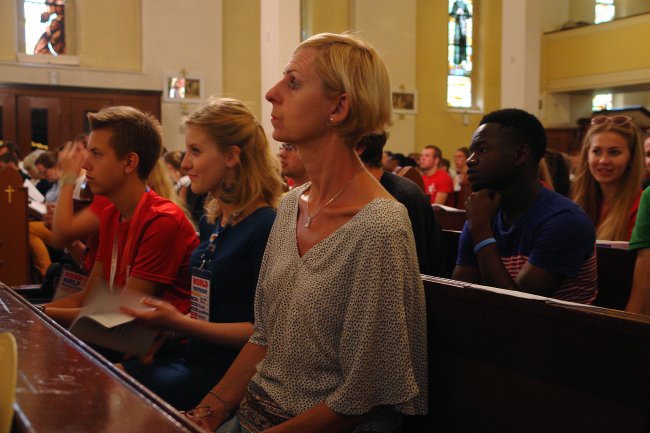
[[520, 235]]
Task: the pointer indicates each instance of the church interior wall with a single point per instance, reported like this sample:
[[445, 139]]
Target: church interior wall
[[163, 37], [241, 52], [132, 44]]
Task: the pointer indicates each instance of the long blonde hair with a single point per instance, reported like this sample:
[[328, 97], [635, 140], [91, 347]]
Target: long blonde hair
[[160, 182], [228, 122], [588, 194]]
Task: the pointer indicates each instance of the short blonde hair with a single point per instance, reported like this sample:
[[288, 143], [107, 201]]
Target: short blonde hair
[[587, 192], [346, 64], [228, 122]]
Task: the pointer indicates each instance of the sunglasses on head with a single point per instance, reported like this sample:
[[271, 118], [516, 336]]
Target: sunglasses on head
[[616, 120]]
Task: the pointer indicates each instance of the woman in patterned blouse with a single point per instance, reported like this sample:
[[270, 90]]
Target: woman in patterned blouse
[[339, 340]]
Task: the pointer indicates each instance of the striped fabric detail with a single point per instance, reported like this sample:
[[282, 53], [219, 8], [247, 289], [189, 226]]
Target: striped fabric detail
[[582, 288]]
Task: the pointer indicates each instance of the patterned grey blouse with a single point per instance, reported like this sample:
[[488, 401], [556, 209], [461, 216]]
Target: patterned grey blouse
[[346, 323]]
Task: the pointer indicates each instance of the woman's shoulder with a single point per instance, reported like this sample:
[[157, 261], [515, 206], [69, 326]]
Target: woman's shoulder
[[259, 221], [289, 201], [384, 215]]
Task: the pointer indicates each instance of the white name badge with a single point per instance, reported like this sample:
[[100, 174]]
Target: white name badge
[[69, 283], [200, 307]]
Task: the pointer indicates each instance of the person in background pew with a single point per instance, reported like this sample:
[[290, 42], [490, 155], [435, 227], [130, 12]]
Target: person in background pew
[[47, 165], [639, 301], [459, 174], [10, 159], [35, 174], [178, 176], [227, 156], [520, 235], [426, 230], [609, 174], [145, 241], [339, 342], [438, 184], [40, 236], [558, 168], [291, 166]]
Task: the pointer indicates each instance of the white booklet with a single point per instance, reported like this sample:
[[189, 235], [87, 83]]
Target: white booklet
[[447, 208], [102, 323]]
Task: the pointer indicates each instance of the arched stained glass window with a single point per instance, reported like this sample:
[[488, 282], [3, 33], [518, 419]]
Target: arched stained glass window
[[460, 53], [605, 10]]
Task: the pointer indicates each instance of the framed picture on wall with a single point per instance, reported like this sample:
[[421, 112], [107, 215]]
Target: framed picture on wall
[[183, 88], [405, 101]]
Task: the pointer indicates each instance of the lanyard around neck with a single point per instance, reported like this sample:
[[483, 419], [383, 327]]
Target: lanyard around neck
[[208, 254], [128, 245]]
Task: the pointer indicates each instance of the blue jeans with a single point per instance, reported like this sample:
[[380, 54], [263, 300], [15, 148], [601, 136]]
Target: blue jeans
[[232, 426]]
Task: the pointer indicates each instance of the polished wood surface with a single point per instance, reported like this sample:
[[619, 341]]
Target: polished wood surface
[[499, 363], [14, 253], [450, 220], [64, 386]]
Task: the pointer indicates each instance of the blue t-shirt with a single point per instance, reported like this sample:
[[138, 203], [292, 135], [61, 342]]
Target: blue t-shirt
[[554, 235], [234, 271]]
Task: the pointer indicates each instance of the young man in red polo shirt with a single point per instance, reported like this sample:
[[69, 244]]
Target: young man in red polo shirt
[[145, 241], [438, 184]]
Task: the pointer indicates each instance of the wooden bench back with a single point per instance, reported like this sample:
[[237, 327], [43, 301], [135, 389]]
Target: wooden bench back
[[499, 363], [14, 248], [615, 273]]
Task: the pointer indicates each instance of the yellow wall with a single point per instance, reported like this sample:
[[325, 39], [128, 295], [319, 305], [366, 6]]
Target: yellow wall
[[325, 16], [8, 30], [241, 52], [602, 49], [435, 123], [108, 34]]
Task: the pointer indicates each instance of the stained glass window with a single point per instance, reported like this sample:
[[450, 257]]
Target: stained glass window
[[44, 26], [602, 102], [460, 53], [605, 10]]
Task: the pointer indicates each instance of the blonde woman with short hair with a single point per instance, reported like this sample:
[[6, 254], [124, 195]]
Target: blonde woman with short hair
[[340, 323]]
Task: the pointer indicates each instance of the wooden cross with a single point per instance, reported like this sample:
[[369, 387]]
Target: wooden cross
[[9, 191]]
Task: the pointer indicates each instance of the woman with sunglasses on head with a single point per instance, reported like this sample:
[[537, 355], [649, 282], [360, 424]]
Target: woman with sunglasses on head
[[608, 176], [340, 324], [229, 158]]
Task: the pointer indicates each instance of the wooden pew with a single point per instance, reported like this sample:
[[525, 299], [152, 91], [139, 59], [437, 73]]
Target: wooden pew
[[14, 247], [450, 240], [450, 220], [615, 273], [499, 363], [63, 385]]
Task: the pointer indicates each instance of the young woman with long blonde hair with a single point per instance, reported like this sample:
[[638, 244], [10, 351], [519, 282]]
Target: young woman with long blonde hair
[[609, 174]]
